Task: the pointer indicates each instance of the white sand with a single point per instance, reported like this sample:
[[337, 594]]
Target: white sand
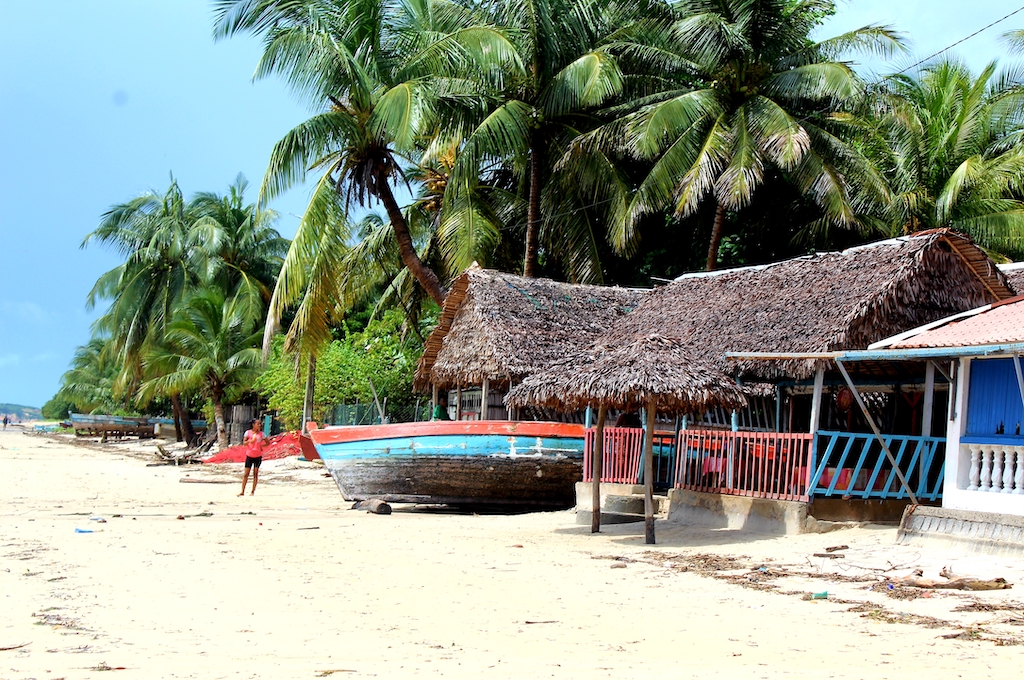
[[427, 594]]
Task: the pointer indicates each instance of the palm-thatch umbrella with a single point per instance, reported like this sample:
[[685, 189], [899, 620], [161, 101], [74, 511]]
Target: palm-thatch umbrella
[[646, 371]]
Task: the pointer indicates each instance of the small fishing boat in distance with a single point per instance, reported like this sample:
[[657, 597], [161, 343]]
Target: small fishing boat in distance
[[483, 462]]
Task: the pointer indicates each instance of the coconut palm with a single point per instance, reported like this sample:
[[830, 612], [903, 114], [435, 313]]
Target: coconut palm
[[569, 74], [952, 145], [154, 233], [384, 75], [211, 346], [90, 382], [744, 91], [243, 250]]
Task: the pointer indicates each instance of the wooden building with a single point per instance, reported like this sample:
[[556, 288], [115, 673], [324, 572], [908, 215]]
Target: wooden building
[[773, 328], [495, 329]]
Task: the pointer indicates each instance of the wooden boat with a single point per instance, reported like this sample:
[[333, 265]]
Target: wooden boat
[[308, 448], [102, 425], [484, 462]]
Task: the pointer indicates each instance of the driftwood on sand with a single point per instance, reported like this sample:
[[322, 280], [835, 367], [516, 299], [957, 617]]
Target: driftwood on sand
[[182, 458], [951, 581], [374, 505]]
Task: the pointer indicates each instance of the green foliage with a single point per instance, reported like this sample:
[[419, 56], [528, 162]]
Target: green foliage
[[344, 370], [952, 146], [196, 274]]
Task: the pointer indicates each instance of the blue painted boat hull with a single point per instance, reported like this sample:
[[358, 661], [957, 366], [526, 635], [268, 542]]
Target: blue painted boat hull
[[503, 468]]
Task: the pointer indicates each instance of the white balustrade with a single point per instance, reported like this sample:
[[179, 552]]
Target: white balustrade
[[975, 475], [1009, 454], [996, 468], [1018, 478], [986, 468]]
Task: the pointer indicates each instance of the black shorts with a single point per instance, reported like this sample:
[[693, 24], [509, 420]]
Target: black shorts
[[253, 462]]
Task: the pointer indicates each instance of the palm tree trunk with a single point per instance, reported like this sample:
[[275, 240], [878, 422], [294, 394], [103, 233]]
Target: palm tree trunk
[[307, 402], [533, 214], [218, 417], [182, 421], [716, 237], [410, 258], [176, 410]]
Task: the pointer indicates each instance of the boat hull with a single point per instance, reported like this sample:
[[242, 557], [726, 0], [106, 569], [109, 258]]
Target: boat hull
[[465, 463]]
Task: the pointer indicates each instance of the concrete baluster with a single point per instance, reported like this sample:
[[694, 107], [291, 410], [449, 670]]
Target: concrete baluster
[[1019, 477], [1008, 455], [997, 469], [986, 468], [975, 474]]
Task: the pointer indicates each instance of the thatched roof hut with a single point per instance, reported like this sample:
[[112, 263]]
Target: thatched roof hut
[[1014, 273], [822, 302], [503, 327], [626, 376]]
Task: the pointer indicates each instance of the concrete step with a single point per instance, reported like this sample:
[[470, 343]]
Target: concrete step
[[586, 517], [978, 532]]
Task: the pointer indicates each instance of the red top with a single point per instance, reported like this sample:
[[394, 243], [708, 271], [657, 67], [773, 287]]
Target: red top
[[255, 440]]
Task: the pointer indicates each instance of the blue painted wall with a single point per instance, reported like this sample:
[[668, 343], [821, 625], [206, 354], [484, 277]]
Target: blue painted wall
[[994, 399]]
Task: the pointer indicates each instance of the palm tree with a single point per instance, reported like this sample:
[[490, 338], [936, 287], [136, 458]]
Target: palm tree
[[570, 72], [383, 72], [952, 145], [90, 382], [154, 233], [744, 90], [243, 249], [211, 346]]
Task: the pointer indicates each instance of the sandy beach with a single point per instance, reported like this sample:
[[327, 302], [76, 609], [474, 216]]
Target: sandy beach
[[290, 583]]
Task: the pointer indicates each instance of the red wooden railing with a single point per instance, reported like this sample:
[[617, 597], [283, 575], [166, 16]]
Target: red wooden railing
[[623, 447], [760, 464]]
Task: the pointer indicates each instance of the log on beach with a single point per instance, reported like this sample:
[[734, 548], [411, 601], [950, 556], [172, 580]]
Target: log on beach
[[952, 582], [374, 505]]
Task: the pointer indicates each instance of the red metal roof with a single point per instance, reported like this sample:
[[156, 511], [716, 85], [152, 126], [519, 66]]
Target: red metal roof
[[1001, 323]]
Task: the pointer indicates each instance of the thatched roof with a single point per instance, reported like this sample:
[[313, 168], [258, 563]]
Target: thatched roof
[[501, 326], [625, 376], [1014, 273], [822, 302]]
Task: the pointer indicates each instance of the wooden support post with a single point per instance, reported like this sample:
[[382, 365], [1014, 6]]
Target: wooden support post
[[597, 469], [433, 400], [307, 401], [819, 381], [929, 397], [926, 421], [483, 401], [651, 412], [778, 408], [458, 402]]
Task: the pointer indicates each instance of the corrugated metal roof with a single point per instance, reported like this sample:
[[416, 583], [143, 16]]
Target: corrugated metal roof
[[1000, 323]]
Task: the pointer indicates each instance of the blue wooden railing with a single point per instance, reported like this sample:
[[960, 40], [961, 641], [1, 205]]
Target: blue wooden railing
[[853, 465]]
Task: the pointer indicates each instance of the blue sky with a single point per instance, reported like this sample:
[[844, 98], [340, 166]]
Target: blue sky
[[101, 100]]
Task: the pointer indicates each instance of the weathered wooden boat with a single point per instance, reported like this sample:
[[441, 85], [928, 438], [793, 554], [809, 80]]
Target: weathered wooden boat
[[487, 462], [104, 425]]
